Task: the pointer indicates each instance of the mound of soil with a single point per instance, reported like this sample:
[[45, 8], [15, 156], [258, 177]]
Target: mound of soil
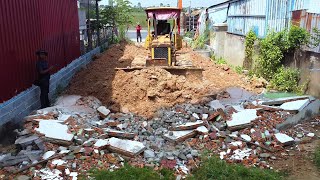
[[145, 91]]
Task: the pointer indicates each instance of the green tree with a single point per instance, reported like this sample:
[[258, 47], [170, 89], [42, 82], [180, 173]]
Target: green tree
[[118, 16], [161, 4]]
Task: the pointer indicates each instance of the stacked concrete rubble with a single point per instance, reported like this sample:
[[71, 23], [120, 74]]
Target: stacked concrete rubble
[[79, 133]]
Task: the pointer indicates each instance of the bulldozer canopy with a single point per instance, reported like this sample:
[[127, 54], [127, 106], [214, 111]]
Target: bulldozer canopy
[[164, 13]]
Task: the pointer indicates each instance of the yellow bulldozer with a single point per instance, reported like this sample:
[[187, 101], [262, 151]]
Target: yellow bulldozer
[[163, 42], [163, 39]]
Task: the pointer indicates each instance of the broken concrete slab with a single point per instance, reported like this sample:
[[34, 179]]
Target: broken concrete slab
[[179, 136], [101, 144], [103, 112], [188, 126], [119, 134], [25, 141], [48, 154], [54, 130], [284, 139], [310, 111], [126, 147], [215, 104], [64, 117], [202, 130], [280, 101], [242, 119], [69, 100], [10, 160], [295, 105]]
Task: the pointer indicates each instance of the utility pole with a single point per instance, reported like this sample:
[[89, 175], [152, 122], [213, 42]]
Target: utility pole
[[98, 23]]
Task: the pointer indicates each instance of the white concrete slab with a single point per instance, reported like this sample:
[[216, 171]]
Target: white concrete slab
[[179, 135], [295, 105], [202, 130], [246, 137], [101, 143], [54, 130], [48, 154], [283, 138], [243, 117], [131, 148]]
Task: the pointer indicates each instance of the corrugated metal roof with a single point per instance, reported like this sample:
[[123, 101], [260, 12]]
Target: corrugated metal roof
[[27, 26]]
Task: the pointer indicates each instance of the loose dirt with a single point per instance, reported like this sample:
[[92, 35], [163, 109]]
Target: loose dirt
[[144, 91]]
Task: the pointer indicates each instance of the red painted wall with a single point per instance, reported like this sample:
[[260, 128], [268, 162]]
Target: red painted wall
[[29, 25]]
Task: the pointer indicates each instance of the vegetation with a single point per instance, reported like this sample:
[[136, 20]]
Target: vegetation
[[133, 173], [118, 16], [272, 51], [317, 156], [214, 168], [201, 40], [286, 80], [249, 45]]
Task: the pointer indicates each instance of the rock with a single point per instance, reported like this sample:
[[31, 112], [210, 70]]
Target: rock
[[246, 137], [299, 135], [196, 116], [103, 112], [189, 156], [170, 157], [264, 155], [23, 177], [149, 154], [182, 156], [194, 153], [310, 134]]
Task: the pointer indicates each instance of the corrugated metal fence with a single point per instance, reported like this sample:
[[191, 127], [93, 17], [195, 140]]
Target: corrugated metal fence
[[264, 15], [27, 26], [309, 21]]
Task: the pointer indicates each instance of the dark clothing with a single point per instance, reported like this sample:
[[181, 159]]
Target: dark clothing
[[44, 83], [139, 36]]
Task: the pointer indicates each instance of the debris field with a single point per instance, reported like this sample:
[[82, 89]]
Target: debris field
[[79, 133], [151, 118]]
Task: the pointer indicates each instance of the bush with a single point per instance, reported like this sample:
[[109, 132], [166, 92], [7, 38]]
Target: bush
[[132, 173], [317, 156], [214, 168], [286, 79]]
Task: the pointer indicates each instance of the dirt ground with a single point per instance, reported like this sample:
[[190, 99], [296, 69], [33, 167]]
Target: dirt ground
[[144, 91]]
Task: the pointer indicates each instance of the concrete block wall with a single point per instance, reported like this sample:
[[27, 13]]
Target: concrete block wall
[[15, 109]]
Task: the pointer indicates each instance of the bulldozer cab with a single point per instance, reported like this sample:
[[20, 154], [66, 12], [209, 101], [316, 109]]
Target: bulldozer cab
[[163, 39]]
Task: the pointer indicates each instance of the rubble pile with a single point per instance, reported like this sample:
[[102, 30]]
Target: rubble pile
[[78, 134]]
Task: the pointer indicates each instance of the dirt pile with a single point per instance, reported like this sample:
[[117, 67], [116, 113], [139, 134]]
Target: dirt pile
[[145, 91]]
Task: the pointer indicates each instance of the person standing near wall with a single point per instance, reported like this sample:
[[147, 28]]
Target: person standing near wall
[[43, 81], [138, 29]]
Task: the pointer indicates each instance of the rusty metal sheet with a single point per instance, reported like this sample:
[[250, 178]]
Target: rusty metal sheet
[[27, 26]]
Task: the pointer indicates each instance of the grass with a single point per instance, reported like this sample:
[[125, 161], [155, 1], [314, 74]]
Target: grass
[[317, 156], [133, 173], [272, 95], [214, 168]]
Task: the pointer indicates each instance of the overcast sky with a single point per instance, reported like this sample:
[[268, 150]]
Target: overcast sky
[[186, 3]]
